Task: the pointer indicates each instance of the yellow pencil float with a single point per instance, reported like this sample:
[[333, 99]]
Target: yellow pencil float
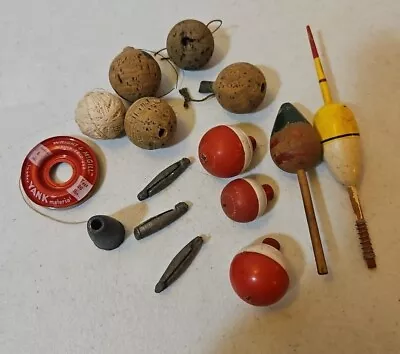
[[340, 139]]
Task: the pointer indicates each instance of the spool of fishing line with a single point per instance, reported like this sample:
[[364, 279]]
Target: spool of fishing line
[[38, 183]]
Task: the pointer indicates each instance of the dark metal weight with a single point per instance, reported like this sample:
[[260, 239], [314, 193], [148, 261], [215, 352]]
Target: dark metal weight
[[180, 263], [164, 179], [160, 221]]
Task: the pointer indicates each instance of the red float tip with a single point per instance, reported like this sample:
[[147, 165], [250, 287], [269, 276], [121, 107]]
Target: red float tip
[[272, 242], [269, 192], [312, 43], [253, 142]]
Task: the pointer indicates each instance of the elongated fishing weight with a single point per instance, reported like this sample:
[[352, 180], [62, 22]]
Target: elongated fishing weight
[[160, 221], [106, 232], [36, 172], [244, 199], [164, 178], [226, 151], [180, 264], [190, 44], [296, 147], [134, 74], [340, 136], [239, 88]]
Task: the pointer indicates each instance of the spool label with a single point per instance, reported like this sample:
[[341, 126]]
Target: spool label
[[39, 153], [81, 188]]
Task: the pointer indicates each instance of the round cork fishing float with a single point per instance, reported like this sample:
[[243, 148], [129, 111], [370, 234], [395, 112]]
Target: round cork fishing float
[[190, 44], [239, 88], [340, 137], [134, 74], [295, 148], [150, 123]]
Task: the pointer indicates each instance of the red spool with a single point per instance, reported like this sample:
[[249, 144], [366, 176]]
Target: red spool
[[226, 151], [37, 182]]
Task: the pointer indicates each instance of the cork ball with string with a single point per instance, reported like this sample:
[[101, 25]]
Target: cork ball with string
[[100, 115], [134, 74], [150, 123], [190, 44], [239, 88]]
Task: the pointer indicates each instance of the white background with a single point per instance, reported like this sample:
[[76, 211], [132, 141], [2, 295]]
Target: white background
[[60, 294]]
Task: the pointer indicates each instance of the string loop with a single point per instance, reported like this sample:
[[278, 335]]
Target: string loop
[[214, 21], [159, 51], [170, 63]]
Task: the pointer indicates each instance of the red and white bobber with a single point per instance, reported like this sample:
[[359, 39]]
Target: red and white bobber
[[258, 274], [226, 151], [244, 199]]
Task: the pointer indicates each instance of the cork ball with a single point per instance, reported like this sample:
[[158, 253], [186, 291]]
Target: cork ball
[[190, 44], [134, 74], [100, 115], [150, 123], [240, 88]]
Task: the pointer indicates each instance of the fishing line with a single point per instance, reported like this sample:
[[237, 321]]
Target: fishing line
[[170, 63], [186, 95], [32, 207]]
